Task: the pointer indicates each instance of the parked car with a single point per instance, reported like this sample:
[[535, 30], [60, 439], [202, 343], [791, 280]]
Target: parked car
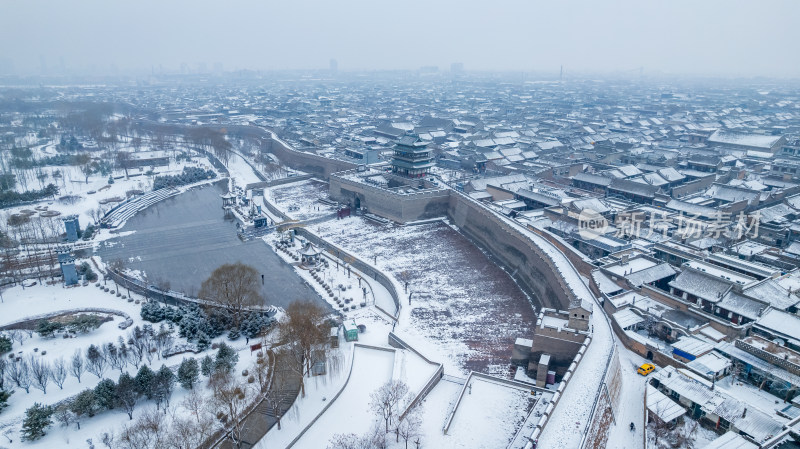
[[646, 369]]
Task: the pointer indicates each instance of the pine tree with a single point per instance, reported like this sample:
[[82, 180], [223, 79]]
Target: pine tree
[[84, 404], [254, 324], [152, 311], [207, 366], [106, 393], [226, 358], [188, 373], [5, 344], [164, 386], [145, 380], [37, 418], [4, 395], [203, 341], [127, 393]]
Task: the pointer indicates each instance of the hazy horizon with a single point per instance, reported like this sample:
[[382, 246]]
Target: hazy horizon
[[713, 38]]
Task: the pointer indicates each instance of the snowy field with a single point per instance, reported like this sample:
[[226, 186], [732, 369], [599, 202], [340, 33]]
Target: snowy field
[[488, 417], [300, 200], [351, 286], [240, 170], [464, 310]]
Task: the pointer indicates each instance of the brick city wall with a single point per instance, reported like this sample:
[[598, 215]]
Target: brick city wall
[[514, 251], [308, 162], [399, 207]]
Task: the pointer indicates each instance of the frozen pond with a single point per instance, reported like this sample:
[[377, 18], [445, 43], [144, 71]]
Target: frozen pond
[[184, 238]]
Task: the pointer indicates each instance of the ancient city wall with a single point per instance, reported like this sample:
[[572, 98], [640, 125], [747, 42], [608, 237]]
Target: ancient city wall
[[529, 266], [526, 262], [308, 162], [396, 206]]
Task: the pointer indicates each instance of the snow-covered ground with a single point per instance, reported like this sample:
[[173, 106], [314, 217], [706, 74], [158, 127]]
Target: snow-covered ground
[[240, 170], [631, 402], [371, 368], [457, 292], [488, 416], [350, 412], [357, 286], [320, 390], [300, 200]]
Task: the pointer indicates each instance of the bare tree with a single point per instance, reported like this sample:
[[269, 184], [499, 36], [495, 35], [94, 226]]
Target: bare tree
[[163, 340], [302, 327], [108, 439], [64, 415], [58, 372], [349, 441], [77, 365], [134, 436], [659, 430], [124, 161], [199, 408], [18, 336], [149, 342], [386, 400], [262, 371], [153, 422], [96, 361], [20, 373], [409, 428], [40, 372], [114, 356], [184, 434], [686, 435], [230, 400], [235, 287], [376, 437], [139, 344]]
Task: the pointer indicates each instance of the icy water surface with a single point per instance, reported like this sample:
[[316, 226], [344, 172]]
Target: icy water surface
[[184, 238]]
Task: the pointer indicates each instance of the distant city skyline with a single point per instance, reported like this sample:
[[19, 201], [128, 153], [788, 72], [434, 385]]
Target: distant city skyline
[[727, 38]]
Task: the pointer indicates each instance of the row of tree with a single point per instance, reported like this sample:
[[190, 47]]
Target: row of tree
[[156, 386], [202, 325], [33, 371], [106, 395], [27, 246], [188, 176]]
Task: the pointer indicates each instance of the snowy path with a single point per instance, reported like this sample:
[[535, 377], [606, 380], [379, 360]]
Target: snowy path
[[570, 419], [240, 170], [631, 408], [371, 368]]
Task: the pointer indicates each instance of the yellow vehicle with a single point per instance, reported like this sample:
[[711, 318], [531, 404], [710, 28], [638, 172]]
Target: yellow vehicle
[[646, 369]]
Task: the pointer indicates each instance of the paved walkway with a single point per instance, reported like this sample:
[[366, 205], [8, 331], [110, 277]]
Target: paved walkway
[[260, 420]]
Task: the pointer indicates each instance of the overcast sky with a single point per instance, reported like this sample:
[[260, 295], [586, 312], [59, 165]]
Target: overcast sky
[[704, 37]]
